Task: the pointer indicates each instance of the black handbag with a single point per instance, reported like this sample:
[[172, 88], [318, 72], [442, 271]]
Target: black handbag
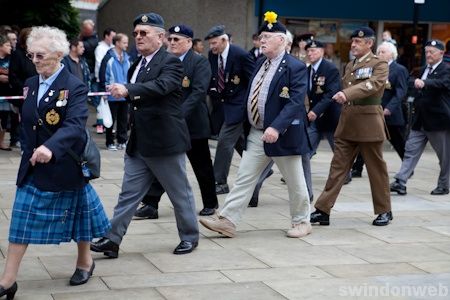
[[90, 160]]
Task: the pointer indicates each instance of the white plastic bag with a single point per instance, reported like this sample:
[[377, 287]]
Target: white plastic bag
[[105, 113]]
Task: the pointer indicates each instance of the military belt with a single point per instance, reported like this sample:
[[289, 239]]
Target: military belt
[[366, 101]]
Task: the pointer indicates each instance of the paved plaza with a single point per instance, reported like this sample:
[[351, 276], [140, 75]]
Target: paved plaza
[[350, 259]]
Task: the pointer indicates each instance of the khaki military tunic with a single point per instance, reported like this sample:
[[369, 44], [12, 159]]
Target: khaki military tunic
[[361, 128]]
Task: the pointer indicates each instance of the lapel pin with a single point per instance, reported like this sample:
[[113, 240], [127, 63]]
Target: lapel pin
[[50, 94], [46, 99]]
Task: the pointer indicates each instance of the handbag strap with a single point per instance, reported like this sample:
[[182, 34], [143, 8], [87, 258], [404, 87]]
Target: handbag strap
[[76, 157]]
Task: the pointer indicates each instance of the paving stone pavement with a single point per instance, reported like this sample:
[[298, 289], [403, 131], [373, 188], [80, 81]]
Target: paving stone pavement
[[350, 259]]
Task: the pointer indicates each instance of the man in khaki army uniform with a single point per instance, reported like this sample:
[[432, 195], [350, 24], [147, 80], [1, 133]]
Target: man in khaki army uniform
[[360, 128]]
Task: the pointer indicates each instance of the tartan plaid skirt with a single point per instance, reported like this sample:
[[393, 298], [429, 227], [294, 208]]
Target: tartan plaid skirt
[[41, 217]]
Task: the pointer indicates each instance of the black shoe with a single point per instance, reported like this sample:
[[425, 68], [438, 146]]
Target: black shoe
[[10, 292], [207, 211], [222, 188], [398, 187], [105, 245], [283, 180], [356, 174], [80, 276], [146, 212], [185, 247], [320, 217], [253, 202], [439, 191], [383, 219], [348, 178]]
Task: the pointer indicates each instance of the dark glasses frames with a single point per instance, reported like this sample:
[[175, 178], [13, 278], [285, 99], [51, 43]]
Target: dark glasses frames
[[142, 33], [175, 39], [39, 56]]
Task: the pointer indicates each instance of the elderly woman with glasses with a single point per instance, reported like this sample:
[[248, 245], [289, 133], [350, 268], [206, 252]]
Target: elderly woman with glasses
[[53, 202]]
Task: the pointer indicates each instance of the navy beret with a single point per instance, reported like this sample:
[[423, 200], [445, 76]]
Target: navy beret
[[314, 44], [215, 31], [363, 32], [271, 23], [305, 37], [436, 44], [151, 19], [182, 30]]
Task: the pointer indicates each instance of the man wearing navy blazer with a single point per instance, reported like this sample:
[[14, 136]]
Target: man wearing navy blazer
[[323, 114], [158, 140], [276, 130], [431, 120], [231, 67], [392, 101]]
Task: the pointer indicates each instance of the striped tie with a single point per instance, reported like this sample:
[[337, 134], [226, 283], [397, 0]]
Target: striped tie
[[254, 101], [221, 75]]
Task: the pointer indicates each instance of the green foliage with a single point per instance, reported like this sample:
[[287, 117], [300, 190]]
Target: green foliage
[[27, 13]]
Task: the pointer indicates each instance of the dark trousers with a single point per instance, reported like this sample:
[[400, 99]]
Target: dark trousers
[[397, 140], [119, 112], [200, 159]]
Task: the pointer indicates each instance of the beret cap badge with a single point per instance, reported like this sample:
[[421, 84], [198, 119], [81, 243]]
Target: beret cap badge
[[177, 29], [433, 43], [144, 19], [361, 33]]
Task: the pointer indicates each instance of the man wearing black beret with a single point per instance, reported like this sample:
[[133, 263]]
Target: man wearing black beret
[[158, 140], [196, 76], [231, 68], [431, 120], [360, 128]]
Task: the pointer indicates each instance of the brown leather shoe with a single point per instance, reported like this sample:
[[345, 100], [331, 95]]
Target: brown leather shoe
[[221, 225]]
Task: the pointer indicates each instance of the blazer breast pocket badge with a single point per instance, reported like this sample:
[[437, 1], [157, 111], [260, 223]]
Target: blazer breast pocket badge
[[320, 82], [52, 117], [285, 92]]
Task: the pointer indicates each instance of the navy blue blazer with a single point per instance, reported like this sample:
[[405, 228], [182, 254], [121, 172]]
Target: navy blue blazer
[[325, 83], [285, 109], [66, 122], [432, 103], [395, 93], [231, 101], [197, 73]]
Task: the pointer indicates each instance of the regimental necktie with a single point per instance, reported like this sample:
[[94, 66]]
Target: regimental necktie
[[254, 101], [142, 68], [311, 77], [220, 75], [426, 74]]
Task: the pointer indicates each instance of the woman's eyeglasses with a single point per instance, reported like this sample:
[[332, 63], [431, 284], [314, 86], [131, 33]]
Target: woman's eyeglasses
[[38, 56]]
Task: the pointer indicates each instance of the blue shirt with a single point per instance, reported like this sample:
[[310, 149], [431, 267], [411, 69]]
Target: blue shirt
[[45, 84]]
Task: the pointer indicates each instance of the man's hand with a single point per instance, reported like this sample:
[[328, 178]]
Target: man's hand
[[270, 135], [41, 155], [419, 83], [312, 116], [117, 90], [386, 112], [340, 97]]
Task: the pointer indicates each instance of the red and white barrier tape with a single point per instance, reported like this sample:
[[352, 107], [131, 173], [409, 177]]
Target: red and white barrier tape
[[89, 94]]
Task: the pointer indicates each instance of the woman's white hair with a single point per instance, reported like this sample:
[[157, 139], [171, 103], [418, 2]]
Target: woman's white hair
[[391, 48], [56, 38]]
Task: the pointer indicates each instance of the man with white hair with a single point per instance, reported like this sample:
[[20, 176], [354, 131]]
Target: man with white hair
[[275, 130], [431, 120], [393, 97]]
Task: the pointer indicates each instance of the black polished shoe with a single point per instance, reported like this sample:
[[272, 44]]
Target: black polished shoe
[[439, 191], [80, 276], [253, 202], [185, 247], [383, 219], [348, 178], [222, 188], [398, 187], [9, 292], [146, 212], [207, 211], [105, 245], [356, 174], [320, 217]]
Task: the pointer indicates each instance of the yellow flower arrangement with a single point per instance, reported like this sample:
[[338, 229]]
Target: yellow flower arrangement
[[270, 17]]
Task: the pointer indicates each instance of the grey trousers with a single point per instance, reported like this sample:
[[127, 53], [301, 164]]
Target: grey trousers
[[314, 137], [252, 165], [139, 175], [415, 144]]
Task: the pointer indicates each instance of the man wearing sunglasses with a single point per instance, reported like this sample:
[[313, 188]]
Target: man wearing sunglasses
[[197, 73], [158, 140]]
